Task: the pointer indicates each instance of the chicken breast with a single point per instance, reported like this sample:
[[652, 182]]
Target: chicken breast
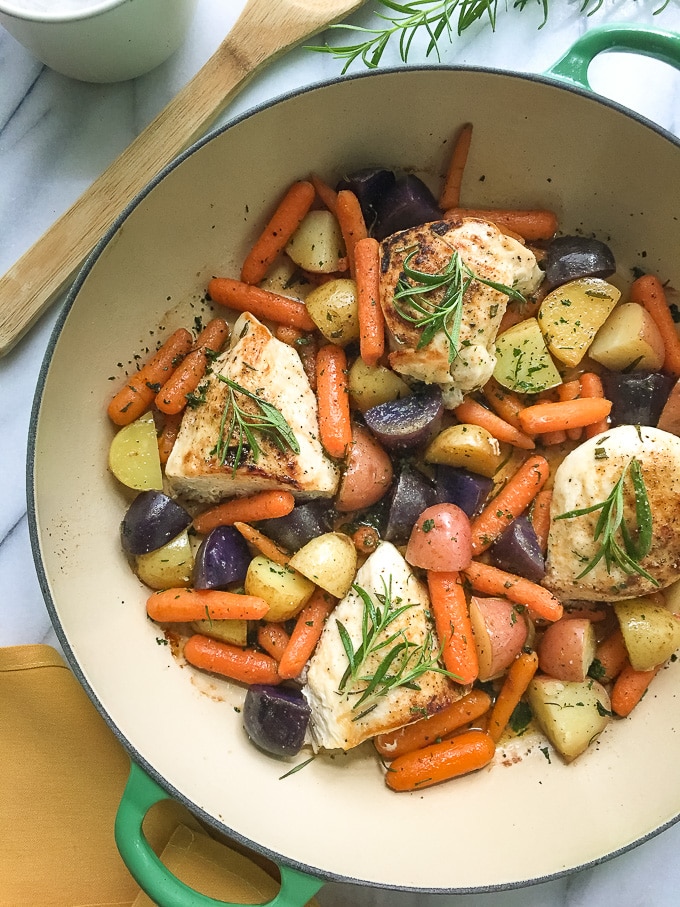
[[586, 477], [488, 253], [271, 370], [338, 720]]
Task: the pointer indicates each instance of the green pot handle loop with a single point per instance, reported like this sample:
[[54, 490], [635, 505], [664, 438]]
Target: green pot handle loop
[[165, 889], [649, 42]]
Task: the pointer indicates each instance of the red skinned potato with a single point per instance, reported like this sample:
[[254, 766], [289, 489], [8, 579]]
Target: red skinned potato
[[368, 473], [567, 649], [500, 633], [441, 539]]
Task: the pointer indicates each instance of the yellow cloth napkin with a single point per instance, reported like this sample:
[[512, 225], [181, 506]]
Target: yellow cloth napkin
[[63, 774]]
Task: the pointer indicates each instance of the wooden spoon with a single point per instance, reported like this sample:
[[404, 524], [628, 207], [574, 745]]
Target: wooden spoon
[[263, 31]]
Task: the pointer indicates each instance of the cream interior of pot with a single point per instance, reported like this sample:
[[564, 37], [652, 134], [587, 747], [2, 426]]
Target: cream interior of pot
[[534, 145]]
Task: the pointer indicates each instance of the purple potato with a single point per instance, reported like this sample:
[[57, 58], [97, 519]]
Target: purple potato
[[412, 494], [152, 520], [369, 185], [276, 718], [222, 559], [408, 204], [408, 422], [301, 525], [572, 257], [466, 490], [517, 551], [637, 397]]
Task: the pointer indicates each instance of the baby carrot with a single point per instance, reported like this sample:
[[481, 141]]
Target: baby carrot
[[371, 319], [172, 397], [258, 506], [531, 224], [326, 193], [591, 387], [366, 539], [434, 727], [571, 390], [332, 393], [503, 402], [450, 194], [309, 625], [273, 639], [288, 335], [137, 395], [283, 223], [563, 415], [510, 502], [472, 412], [610, 659], [244, 665], [553, 438], [629, 688], [184, 605], [262, 544], [459, 755], [242, 297], [352, 224], [516, 681], [168, 436], [540, 517], [453, 626], [648, 291], [492, 581]]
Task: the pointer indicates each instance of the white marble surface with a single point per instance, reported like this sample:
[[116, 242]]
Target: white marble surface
[[57, 135]]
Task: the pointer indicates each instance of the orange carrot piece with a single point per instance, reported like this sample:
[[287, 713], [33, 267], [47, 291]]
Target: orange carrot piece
[[244, 665], [273, 639], [516, 681], [503, 402], [172, 397], [283, 223], [182, 605], [352, 224], [433, 728], [250, 509], [452, 623], [213, 336], [648, 291], [288, 335], [366, 539], [563, 415], [371, 318], [510, 502], [629, 688], [516, 313], [137, 395], [309, 625], [591, 387], [168, 436], [492, 581], [476, 414], [611, 657], [264, 545], [326, 193], [332, 393], [242, 297], [540, 517], [306, 349], [571, 390], [466, 752], [531, 224], [553, 438], [450, 194]]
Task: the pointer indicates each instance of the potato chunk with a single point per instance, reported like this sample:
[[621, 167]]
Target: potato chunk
[[467, 446], [629, 339], [571, 714], [572, 314], [284, 589], [651, 632], [523, 361]]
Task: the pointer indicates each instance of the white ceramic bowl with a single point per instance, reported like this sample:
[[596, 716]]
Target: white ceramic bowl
[[98, 40]]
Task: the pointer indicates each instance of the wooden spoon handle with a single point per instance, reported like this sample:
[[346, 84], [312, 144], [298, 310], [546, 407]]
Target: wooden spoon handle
[[263, 31]]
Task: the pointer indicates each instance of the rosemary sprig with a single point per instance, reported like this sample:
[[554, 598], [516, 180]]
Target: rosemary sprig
[[433, 17], [611, 521], [401, 663], [444, 313], [239, 427]]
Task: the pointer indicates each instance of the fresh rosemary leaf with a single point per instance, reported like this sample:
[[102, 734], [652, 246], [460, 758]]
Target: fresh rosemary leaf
[[444, 313]]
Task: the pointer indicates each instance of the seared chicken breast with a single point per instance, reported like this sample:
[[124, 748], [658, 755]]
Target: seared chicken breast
[[587, 477], [339, 720], [491, 255], [272, 371]]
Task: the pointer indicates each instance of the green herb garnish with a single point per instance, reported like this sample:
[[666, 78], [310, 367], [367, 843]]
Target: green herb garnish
[[401, 662], [239, 427], [611, 521], [445, 313]]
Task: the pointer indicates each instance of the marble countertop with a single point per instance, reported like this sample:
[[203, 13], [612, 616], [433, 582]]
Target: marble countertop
[[57, 135]]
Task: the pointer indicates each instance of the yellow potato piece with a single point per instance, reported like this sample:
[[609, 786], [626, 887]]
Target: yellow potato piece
[[231, 631], [371, 385], [651, 632], [133, 455], [329, 560], [334, 309], [284, 589], [572, 314], [169, 566], [467, 447], [523, 362]]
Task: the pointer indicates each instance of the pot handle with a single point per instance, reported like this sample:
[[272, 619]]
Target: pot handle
[[165, 889], [650, 42]]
